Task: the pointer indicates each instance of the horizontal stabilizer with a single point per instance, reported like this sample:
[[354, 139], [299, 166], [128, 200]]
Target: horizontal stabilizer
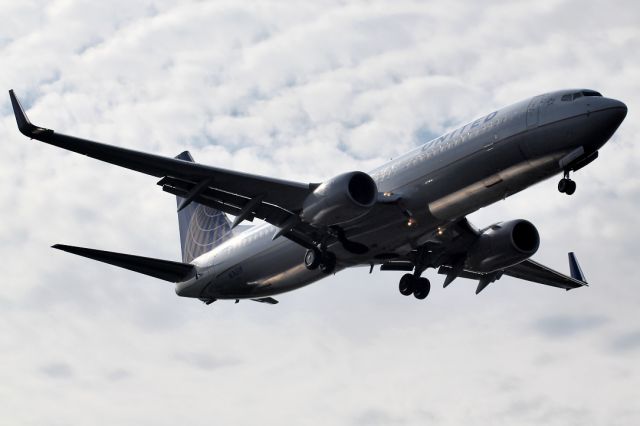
[[163, 269]]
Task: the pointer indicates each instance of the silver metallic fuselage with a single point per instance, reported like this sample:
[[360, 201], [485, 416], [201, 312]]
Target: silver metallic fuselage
[[439, 182]]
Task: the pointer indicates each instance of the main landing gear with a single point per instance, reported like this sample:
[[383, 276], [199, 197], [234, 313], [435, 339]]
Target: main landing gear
[[418, 286], [414, 283], [320, 257], [566, 185], [325, 260]]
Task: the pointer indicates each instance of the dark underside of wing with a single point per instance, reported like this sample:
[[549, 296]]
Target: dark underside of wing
[[278, 192], [533, 271], [528, 270], [285, 194]]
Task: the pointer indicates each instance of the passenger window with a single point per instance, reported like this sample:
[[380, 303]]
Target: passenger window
[[565, 98]]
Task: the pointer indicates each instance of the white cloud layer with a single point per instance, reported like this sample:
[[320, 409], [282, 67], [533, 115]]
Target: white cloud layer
[[305, 90]]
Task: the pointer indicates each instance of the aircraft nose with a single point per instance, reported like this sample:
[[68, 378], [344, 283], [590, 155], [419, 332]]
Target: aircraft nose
[[615, 110], [604, 119]]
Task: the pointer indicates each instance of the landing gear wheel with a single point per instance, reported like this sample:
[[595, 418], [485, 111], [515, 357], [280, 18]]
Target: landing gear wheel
[[422, 289], [406, 284], [312, 259], [562, 185], [566, 185], [571, 188], [328, 262]]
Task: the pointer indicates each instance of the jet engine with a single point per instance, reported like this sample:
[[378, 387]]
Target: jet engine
[[340, 199], [502, 245]]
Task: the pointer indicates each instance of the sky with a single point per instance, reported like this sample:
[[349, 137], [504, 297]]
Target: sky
[[305, 91]]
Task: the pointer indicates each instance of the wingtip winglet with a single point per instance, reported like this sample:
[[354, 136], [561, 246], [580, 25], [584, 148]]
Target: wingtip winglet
[[24, 125], [576, 270]]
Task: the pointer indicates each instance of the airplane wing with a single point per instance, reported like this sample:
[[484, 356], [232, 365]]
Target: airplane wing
[[240, 194], [533, 271], [450, 251], [528, 270]]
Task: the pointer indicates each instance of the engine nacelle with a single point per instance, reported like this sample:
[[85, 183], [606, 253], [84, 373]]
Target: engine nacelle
[[340, 199], [502, 245]]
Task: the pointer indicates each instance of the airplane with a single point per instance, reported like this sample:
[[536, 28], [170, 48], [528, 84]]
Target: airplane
[[406, 215]]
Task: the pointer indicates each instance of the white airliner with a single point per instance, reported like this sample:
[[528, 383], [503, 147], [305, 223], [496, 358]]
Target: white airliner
[[406, 215]]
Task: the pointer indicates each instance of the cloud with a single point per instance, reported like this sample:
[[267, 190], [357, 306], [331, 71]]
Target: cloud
[[118, 374], [57, 370], [543, 409], [626, 342], [206, 361], [304, 91], [377, 417], [560, 326]]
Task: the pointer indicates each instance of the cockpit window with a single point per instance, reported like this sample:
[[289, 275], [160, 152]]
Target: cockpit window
[[576, 95]]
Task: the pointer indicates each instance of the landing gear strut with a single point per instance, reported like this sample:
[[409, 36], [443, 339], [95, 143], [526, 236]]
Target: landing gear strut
[[566, 185], [315, 258]]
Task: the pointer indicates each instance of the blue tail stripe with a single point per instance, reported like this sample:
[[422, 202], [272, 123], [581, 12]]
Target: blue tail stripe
[[201, 228]]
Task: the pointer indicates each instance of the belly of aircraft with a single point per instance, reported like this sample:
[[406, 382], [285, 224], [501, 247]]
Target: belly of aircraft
[[476, 180], [273, 269]]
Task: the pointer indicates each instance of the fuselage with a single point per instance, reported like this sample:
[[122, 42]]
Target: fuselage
[[439, 182]]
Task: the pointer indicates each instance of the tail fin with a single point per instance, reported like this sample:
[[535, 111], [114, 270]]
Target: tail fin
[[201, 228]]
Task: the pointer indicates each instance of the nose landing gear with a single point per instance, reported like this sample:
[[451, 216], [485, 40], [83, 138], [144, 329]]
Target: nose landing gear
[[566, 185]]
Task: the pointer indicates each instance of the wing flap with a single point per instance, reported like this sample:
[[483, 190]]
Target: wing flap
[[226, 201], [163, 269]]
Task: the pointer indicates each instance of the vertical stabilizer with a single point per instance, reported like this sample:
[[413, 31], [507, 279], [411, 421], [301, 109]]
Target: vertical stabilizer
[[201, 228]]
